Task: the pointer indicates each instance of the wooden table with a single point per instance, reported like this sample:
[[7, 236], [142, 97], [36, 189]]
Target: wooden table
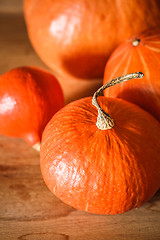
[[28, 210]]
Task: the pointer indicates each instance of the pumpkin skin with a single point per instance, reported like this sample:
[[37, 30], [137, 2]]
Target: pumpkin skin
[[101, 171], [75, 38], [137, 55], [29, 97]]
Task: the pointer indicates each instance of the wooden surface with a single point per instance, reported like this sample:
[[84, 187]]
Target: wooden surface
[[27, 209]]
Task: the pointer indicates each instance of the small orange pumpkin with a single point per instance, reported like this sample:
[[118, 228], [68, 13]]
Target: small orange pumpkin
[[29, 97], [108, 167], [142, 53]]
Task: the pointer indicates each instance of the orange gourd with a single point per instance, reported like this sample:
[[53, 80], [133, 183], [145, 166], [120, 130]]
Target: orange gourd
[[142, 53], [29, 97], [108, 167], [75, 37]]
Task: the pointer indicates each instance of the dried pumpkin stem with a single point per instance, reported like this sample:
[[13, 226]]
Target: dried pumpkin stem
[[104, 120], [37, 146], [136, 42]]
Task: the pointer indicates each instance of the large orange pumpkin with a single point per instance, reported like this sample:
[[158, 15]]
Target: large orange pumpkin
[[139, 53], [29, 97], [76, 37], [108, 167]]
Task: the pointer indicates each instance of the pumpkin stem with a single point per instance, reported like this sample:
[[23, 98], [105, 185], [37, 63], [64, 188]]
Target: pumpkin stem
[[136, 42], [36, 146], [104, 120]]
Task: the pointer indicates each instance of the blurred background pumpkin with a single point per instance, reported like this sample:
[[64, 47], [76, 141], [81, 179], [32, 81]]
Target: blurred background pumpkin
[[75, 38]]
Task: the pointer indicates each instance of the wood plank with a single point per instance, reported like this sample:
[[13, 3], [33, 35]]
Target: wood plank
[[30, 211], [11, 6]]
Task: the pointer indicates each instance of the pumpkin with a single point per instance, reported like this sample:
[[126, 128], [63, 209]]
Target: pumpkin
[[107, 164], [142, 53], [29, 97], [75, 38]]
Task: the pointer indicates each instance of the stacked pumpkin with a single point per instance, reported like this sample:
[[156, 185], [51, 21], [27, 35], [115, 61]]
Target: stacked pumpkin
[[99, 154]]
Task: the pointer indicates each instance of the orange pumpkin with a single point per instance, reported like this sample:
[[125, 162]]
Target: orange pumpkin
[[29, 97], [75, 38], [108, 167], [139, 53]]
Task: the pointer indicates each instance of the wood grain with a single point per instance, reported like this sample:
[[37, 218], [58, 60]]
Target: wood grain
[[28, 211]]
